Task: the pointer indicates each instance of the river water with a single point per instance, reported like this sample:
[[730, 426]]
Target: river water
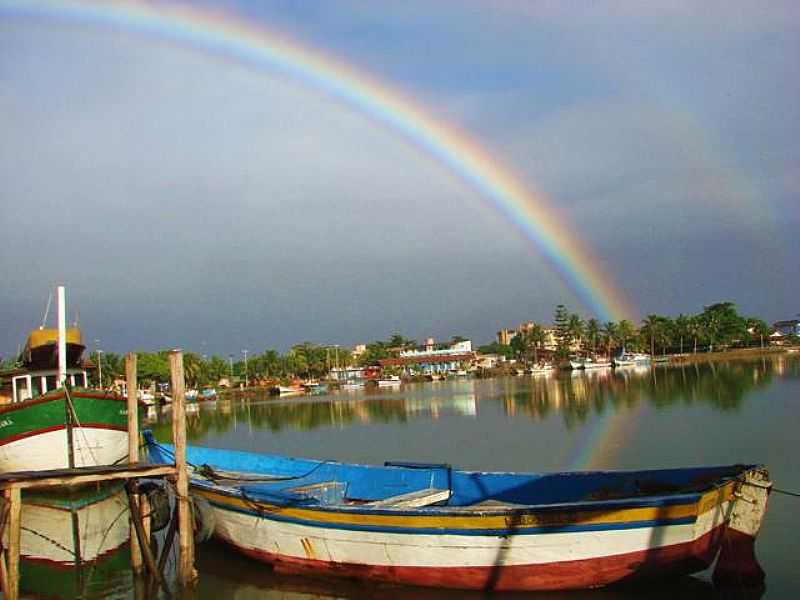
[[665, 416]]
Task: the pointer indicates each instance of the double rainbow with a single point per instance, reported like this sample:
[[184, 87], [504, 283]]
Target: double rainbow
[[234, 38]]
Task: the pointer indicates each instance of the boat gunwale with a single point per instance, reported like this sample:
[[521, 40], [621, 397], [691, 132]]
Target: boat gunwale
[[60, 394], [616, 504]]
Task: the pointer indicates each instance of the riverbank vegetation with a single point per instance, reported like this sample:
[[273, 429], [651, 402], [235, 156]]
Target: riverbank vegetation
[[718, 328]]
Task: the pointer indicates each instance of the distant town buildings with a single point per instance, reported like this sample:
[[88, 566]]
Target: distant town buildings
[[432, 359], [504, 336]]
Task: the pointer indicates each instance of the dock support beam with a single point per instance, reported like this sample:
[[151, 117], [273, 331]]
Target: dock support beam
[[9, 558], [186, 571], [133, 450]]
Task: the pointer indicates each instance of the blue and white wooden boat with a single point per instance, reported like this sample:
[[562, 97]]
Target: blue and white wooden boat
[[433, 525]]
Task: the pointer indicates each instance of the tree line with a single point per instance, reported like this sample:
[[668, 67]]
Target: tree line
[[718, 326]]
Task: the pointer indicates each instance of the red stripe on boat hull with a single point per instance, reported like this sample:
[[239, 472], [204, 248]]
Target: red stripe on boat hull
[[674, 560]]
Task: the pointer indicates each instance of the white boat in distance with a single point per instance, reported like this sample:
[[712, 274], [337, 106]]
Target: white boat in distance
[[541, 368], [596, 364], [627, 359], [390, 381]]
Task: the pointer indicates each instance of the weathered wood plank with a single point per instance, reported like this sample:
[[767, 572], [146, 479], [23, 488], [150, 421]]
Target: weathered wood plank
[[414, 499], [14, 540], [59, 477], [133, 449]]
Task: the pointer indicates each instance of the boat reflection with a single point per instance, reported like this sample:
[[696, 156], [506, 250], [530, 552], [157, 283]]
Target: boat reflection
[[232, 575], [75, 544]]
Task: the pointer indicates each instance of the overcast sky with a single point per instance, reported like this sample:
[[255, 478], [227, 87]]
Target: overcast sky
[[188, 200]]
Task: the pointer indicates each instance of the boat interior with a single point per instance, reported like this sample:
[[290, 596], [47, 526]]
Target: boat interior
[[303, 482]]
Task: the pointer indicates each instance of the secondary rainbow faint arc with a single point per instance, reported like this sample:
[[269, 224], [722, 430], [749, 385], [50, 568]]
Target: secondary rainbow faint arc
[[232, 36]]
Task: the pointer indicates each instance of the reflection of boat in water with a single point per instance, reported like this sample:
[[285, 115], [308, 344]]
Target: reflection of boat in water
[[441, 527], [74, 544], [353, 385]]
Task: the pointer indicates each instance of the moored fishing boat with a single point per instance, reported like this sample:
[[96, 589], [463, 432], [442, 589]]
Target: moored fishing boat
[[49, 424], [436, 526], [34, 434]]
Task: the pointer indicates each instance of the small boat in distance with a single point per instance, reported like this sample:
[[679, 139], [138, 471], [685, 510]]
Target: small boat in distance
[[599, 363], [541, 368], [437, 526], [294, 389], [389, 381]]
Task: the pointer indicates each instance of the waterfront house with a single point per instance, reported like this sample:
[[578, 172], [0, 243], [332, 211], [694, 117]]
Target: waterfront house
[[431, 359]]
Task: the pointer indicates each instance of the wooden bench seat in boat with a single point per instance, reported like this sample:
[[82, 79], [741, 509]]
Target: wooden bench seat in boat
[[415, 499]]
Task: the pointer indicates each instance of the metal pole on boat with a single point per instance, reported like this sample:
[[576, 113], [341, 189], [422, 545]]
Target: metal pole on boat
[[62, 337]]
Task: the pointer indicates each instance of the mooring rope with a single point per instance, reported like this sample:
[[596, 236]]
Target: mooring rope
[[211, 474], [785, 492], [74, 415]]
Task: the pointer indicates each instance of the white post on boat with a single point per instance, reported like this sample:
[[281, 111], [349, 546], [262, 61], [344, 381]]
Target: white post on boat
[[62, 338]]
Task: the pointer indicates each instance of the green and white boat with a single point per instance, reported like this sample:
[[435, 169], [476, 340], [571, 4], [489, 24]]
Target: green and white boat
[[47, 425], [35, 433]]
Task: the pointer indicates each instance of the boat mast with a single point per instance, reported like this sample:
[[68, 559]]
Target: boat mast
[[62, 337]]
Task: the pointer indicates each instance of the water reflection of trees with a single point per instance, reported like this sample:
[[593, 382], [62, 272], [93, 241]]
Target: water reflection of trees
[[576, 398], [722, 385]]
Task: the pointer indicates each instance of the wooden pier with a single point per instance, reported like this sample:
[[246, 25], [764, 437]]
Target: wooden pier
[[142, 559]]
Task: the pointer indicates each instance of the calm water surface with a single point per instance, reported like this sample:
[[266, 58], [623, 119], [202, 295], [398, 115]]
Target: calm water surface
[[720, 413]]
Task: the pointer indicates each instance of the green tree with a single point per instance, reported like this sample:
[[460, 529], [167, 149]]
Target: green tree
[[723, 324], [538, 338], [682, 329], [593, 333], [576, 328], [625, 331], [562, 334], [610, 336]]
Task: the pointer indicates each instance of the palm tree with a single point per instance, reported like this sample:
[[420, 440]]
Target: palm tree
[[593, 332], [682, 324], [538, 337], [575, 328], [610, 334], [625, 331], [650, 326]]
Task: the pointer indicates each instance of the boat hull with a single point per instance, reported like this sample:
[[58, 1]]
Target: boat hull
[[33, 434], [675, 540]]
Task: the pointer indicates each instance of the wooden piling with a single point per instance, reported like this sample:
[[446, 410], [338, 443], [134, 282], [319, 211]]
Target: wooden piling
[[186, 572], [133, 450], [11, 587]]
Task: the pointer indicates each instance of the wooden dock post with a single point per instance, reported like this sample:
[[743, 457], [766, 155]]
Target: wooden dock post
[[133, 449], [186, 571], [10, 558]]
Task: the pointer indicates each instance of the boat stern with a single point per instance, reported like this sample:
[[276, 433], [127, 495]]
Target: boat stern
[[737, 564]]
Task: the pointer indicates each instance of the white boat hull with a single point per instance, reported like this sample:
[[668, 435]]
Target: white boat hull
[[93, 446]]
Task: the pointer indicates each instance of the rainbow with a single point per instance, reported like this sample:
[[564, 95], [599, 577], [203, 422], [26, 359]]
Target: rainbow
[[231, 36]]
